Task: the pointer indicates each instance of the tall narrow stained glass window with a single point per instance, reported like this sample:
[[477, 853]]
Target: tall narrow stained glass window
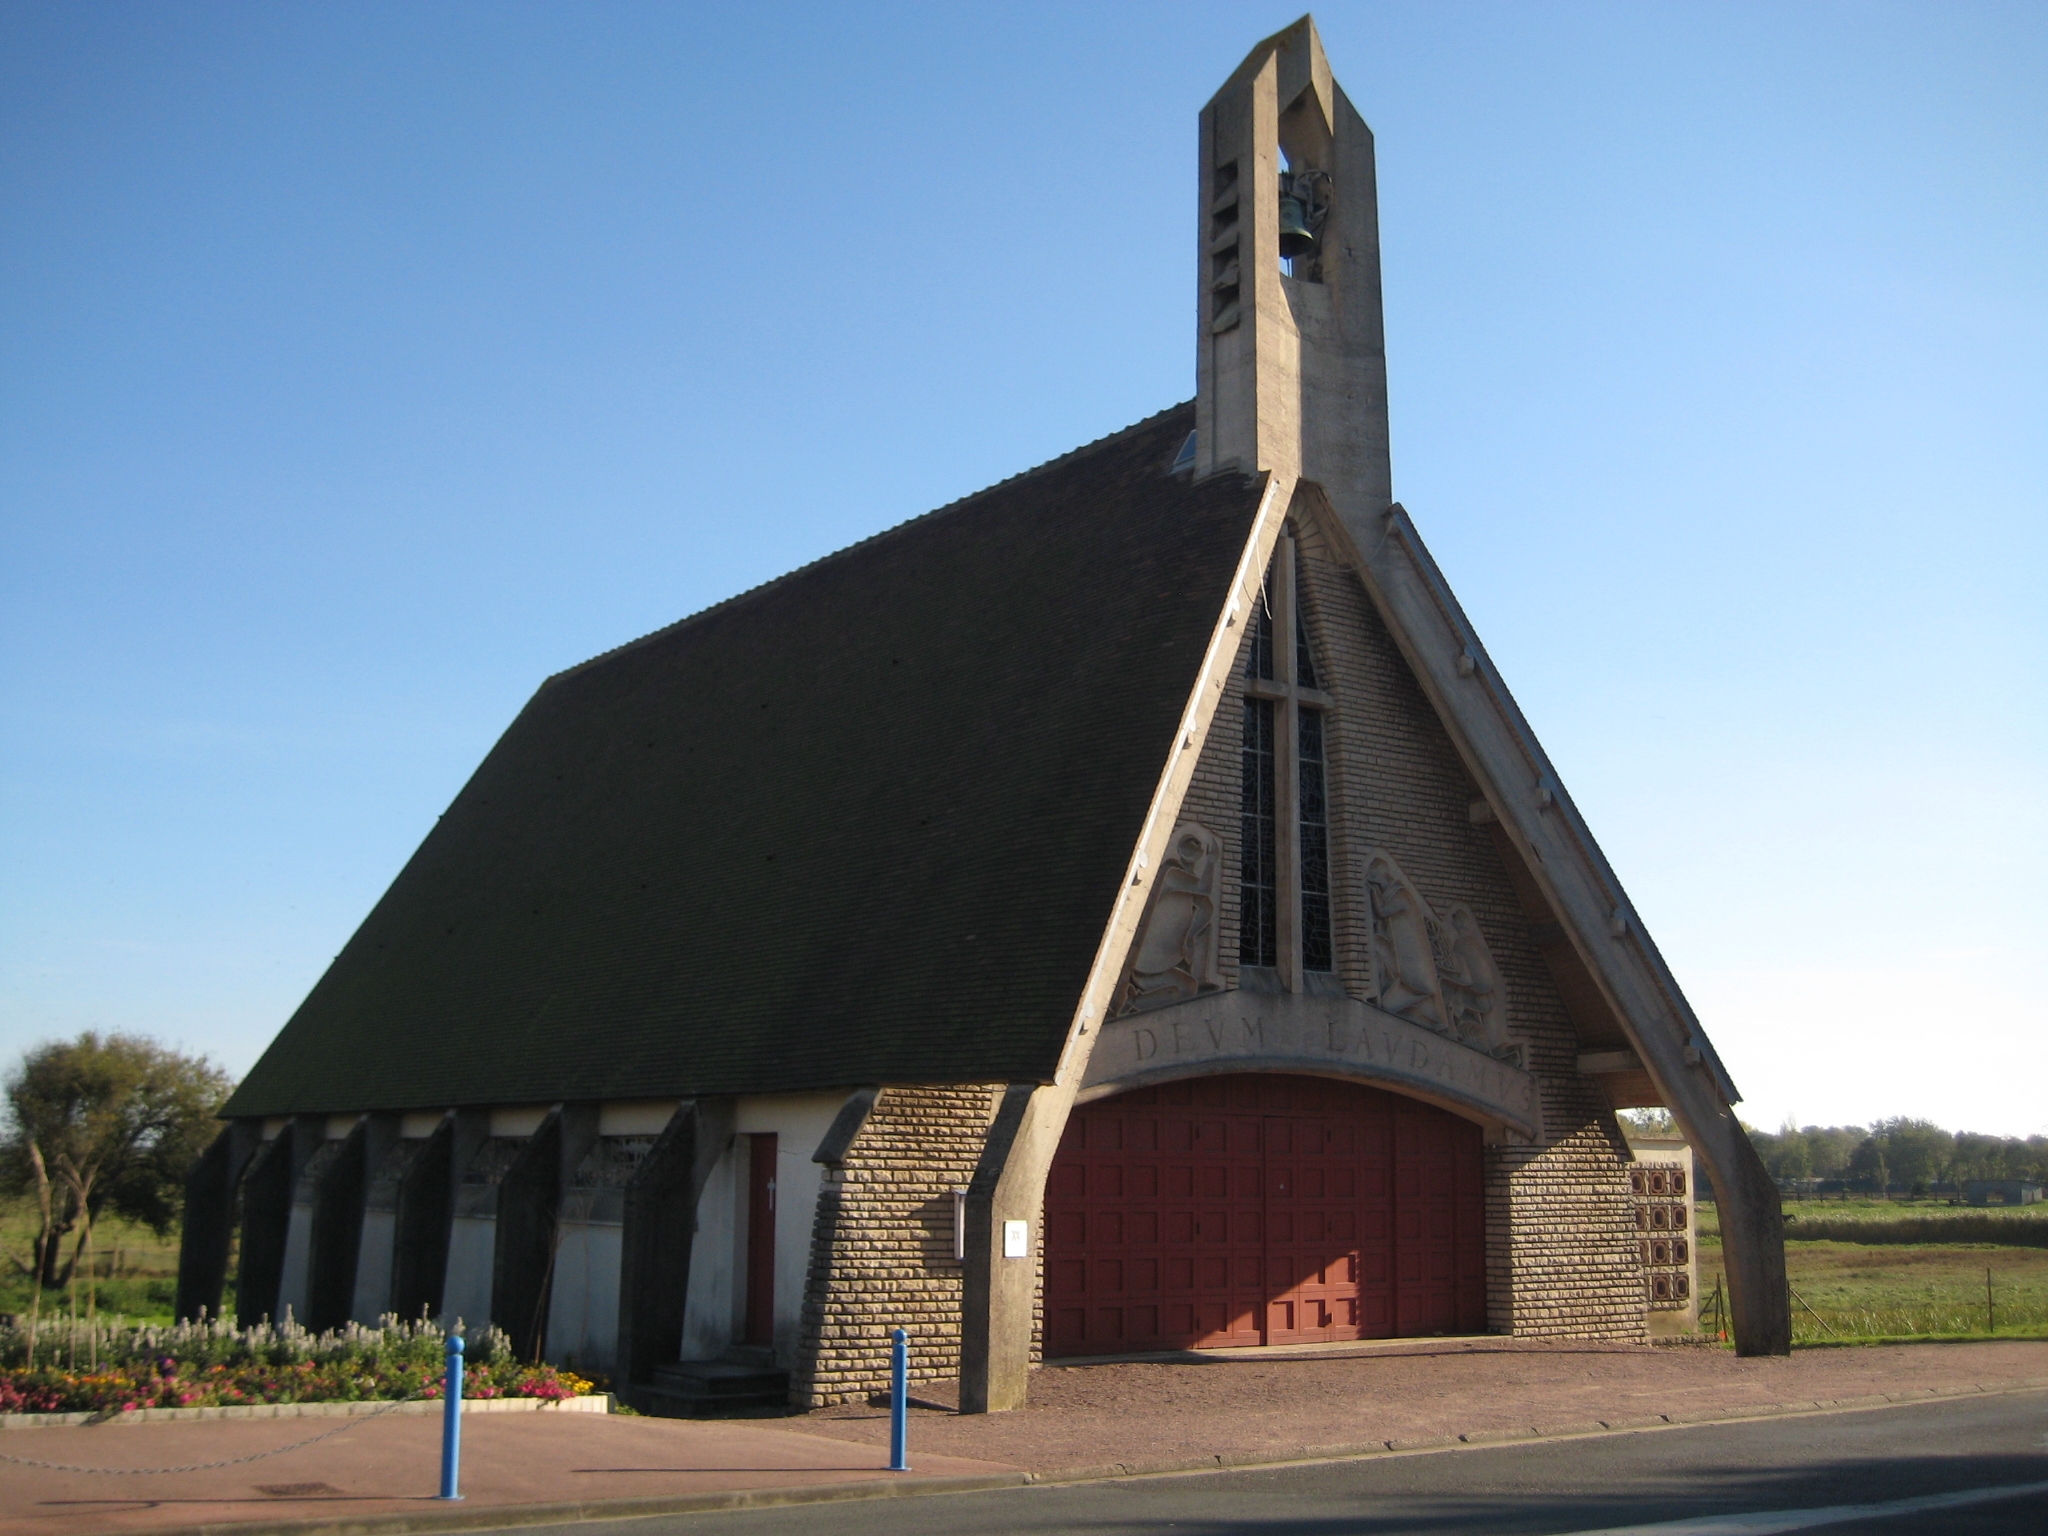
[[1286, 921], [1258, 660], [1317, 951], [1258, 927], [1304, 662]]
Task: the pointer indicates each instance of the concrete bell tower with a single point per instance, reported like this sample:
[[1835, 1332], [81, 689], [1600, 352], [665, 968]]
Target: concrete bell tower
[[1292, 370]]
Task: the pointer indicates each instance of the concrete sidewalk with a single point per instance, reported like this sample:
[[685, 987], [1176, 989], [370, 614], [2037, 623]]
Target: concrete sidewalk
[[1102, 1420], [382, 1473]]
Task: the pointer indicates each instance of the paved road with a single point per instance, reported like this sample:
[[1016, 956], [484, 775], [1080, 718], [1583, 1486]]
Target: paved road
[[1700, 1476]]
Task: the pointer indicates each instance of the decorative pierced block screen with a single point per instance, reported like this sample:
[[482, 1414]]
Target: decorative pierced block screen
[[1663, 1201]]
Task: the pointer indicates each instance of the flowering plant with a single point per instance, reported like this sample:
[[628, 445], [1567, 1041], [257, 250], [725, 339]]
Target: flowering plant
[[211, 1364]]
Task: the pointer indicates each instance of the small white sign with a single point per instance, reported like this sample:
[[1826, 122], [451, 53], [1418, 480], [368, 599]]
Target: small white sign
[[1016, 1239]]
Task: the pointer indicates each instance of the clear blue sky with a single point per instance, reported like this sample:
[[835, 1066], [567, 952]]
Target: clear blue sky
[[362, 364]]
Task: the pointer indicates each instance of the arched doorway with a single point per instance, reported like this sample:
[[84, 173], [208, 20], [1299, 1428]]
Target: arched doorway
[[1261, 1209]]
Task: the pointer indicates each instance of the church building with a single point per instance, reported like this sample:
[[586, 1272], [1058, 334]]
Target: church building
[[1122, 911]]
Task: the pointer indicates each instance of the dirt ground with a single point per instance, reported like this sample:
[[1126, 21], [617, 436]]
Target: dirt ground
[[1275, 1405]]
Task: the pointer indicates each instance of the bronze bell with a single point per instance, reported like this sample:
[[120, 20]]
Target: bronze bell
[[1296, 238]]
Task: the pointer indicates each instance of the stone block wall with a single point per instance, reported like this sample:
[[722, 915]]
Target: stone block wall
[[1561, 1214], [882, 1245]]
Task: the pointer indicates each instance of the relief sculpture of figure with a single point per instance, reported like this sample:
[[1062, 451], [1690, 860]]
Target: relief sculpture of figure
[[1471, 981], [1403, 952], [1176, 953]]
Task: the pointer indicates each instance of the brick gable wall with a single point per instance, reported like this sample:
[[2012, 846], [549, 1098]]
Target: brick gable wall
[[1561, 1252]]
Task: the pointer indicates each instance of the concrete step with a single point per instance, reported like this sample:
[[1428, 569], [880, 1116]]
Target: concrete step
[[712, 1385]]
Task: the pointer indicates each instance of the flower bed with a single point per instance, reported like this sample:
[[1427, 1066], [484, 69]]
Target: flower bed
[[91, 1368]]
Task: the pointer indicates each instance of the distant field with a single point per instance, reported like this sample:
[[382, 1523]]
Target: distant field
[[1911, 1210], [1906, 1221], [1997, 1231], [1805, 1212], [138, 1271], [1904, 1288]]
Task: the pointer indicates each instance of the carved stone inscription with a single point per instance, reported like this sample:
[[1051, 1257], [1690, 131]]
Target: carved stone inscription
[[1327, 1036], [1175, 956]]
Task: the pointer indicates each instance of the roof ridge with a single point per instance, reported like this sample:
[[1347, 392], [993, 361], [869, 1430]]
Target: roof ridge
[[859, 544]]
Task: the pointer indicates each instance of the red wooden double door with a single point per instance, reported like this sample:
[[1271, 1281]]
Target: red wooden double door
[[1261, 1209]]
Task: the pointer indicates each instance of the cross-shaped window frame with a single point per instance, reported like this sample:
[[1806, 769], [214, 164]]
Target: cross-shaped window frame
[[1290, 697]]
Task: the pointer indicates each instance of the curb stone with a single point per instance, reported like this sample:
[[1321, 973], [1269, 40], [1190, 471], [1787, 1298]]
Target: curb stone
[[1246, 1458], [1679, 1419], [1710, 1415], [503, 1516], [1080, 1475], [508, 1516], [595, 1402]]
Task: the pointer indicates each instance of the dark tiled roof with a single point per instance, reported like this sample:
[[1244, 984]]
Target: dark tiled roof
[[862, 824]]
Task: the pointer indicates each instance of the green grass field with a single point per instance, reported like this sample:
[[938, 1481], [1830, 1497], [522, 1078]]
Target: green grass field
[[137, 1270], [1867, 1291]]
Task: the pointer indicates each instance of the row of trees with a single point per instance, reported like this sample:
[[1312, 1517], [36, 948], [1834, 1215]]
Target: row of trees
[[1913, 1153], [97, 1125]]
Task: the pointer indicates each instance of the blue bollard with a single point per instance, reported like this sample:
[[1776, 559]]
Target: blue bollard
[[899, 1403], [451, 1422]]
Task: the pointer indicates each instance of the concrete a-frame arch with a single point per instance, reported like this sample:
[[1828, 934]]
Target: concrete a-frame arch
[[1292, 384]]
